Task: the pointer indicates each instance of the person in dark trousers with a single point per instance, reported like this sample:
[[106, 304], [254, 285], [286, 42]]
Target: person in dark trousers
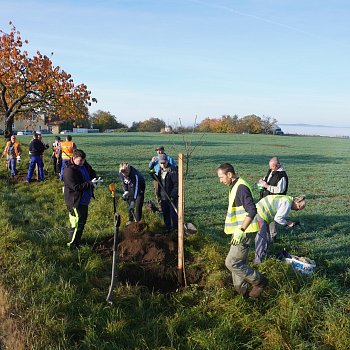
[[275, 182], [134, 185], [154, 168], [241, 223], [168, 177], [12, 153], [56, 158], [79, 183], [36, 150]]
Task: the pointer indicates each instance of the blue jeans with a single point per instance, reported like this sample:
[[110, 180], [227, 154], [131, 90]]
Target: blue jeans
[[237, 262], [36, 160], [64, 164], [12, 166]]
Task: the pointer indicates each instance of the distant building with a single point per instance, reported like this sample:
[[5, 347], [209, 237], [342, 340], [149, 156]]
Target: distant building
[[85, 131], [167, 130], [31, 123]]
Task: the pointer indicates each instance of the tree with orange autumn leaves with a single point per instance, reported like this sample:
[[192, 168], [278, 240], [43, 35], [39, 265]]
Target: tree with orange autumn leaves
[[32, 85], [251, 124]]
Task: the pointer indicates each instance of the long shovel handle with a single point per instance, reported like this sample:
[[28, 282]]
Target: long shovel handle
[[115, 246]]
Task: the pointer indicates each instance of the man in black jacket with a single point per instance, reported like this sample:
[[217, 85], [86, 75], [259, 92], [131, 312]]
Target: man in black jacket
[[79, 183], [168, 192], [275, 182], [36, 150]]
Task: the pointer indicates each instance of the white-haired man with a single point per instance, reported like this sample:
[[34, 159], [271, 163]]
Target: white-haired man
[[275, 182]]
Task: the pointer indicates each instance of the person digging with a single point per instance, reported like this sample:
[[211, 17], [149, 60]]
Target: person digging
[[134, 186]]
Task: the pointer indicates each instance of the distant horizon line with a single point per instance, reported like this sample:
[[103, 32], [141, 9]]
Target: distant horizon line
[[317, 125]]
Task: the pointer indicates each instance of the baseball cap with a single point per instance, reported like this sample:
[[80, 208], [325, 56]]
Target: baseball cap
[[162, 158], [160, 148]]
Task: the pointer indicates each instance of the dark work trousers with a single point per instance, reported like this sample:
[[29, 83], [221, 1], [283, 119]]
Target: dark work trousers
[[57, 164], [138, 207], [169, 214], [77, 219], [155, 187]]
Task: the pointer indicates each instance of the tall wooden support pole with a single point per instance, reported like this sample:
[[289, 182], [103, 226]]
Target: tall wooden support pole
[[180, 227]]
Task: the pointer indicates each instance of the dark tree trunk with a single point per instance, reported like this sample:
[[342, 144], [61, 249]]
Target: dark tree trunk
[[8, 126]]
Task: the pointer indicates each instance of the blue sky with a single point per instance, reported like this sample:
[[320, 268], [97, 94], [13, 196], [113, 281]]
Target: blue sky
[[171, 59]]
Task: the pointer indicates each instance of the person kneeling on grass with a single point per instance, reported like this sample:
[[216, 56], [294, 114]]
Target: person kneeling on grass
[[273, 208], [79, 183]]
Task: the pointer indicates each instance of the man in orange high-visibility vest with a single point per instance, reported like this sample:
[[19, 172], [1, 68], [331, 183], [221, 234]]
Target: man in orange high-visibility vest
[[66, 153], [12, 153]]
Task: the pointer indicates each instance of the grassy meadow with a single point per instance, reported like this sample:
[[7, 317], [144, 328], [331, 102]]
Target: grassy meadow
[[51, 298]]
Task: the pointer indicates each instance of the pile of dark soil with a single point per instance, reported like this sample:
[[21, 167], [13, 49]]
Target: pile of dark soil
[[147, 259]]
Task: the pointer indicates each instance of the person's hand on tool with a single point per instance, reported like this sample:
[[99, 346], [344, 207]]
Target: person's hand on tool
[[237, 236], [125, 195], [132, 205]]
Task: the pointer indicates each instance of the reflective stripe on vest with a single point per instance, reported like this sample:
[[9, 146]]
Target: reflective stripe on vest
[[67, 149], [266, 208], [236, 215]]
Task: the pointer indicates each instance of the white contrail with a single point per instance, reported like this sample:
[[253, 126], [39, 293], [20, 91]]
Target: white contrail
[[262, 19]]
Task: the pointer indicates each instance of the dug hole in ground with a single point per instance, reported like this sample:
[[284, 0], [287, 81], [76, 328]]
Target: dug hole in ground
[[148, 259]]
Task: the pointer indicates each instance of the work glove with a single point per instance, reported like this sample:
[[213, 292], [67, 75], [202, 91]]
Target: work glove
[[291, 224], [95, 181], [237, 236], [18, 158], [125, 195], [152, 172], [132, 205]]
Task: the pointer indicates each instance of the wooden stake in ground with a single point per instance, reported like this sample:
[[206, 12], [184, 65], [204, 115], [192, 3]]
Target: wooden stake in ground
[[180, 225]]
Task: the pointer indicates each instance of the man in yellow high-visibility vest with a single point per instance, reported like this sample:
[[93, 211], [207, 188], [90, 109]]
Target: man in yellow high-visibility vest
[[273, 208], [241, 223]]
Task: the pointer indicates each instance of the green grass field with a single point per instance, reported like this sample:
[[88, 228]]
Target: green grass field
[[55, 299]]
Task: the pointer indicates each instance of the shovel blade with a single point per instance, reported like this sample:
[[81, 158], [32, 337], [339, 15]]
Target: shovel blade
[[190, 229]]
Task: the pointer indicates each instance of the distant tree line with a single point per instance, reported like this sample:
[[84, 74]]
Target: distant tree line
[[250, 124]]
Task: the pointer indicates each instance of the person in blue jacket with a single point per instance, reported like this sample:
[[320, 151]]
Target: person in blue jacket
[[79, 183], [154, 167]]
